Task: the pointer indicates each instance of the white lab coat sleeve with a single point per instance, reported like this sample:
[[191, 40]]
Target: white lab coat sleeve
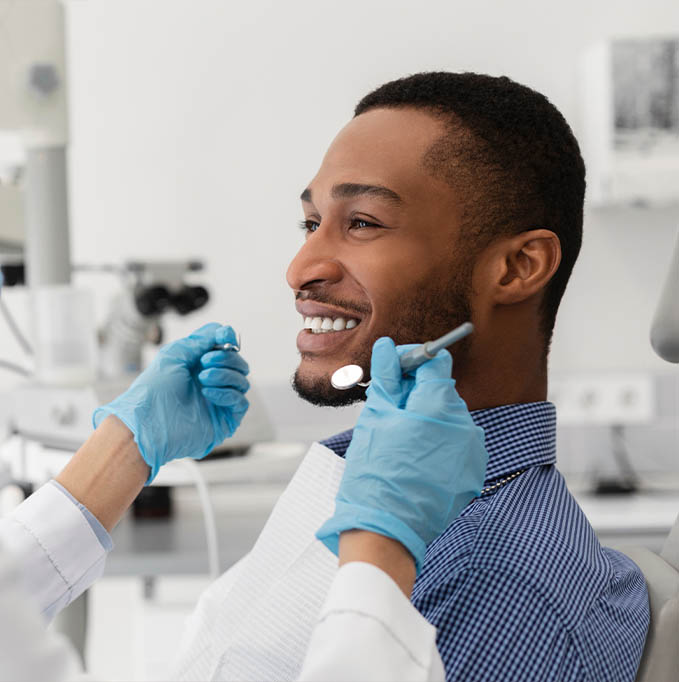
[[368, 630], [28, 652], [56, 547]]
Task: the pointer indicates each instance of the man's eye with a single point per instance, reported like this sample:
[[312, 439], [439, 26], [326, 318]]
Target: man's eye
[[359, 223], [308, 225]]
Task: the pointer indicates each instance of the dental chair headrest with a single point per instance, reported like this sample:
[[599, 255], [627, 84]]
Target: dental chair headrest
[[665, 327]]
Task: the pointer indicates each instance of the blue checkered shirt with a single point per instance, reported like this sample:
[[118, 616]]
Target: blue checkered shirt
[[518, 586]]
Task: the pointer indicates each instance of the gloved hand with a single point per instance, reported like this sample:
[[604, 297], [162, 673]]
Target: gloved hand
[[175, 408], [416, 458]]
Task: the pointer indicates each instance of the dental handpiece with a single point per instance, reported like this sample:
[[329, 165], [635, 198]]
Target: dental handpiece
[[352, 375], [428, 350]]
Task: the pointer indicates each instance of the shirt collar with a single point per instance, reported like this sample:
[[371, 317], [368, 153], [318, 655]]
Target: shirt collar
[[517, 437]]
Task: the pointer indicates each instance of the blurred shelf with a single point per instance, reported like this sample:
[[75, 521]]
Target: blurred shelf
[[643, 518]]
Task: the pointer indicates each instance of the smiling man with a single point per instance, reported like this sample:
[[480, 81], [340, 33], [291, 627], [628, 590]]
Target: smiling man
[[456, 205], [447, 198], [383, 255], [454, 197]]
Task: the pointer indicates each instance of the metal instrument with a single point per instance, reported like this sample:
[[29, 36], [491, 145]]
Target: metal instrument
[[352, 375]]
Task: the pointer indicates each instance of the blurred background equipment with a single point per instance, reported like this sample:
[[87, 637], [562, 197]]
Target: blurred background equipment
[[149, 290], [630, 106], [71, 366]]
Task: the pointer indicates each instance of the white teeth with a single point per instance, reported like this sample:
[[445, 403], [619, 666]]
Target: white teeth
[[323, 325]]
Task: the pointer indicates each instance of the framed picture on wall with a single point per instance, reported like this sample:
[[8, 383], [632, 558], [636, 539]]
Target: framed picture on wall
[[630, 121]]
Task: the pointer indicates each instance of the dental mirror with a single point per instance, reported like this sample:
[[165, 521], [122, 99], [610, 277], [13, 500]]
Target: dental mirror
[[347, 377], [352, 375]]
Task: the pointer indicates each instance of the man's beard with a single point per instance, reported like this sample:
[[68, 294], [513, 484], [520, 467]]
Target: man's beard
[[428, 315]]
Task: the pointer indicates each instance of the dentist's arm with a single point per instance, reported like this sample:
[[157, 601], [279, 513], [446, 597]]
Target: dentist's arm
[[185, 403], [386, 554], [415, 461], [107, 473], [54, 544]]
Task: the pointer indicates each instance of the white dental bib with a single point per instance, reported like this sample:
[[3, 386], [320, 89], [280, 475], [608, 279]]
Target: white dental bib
[[255, 622]]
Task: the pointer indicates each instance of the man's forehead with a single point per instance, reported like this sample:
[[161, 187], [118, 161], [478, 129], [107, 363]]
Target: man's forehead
[[382, 148], [399, 134]]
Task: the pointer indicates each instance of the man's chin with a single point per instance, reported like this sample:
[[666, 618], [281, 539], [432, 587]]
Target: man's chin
[[318, 390]]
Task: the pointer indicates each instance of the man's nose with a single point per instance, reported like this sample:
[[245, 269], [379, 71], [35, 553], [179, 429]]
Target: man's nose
[[315, 263]]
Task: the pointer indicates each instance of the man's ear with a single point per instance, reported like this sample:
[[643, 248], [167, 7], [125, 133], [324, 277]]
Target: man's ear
[[521, 266]]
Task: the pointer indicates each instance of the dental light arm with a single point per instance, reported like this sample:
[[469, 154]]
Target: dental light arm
[[665, 326], [34, 105]]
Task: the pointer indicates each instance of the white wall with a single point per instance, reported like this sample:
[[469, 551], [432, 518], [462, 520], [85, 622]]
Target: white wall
[[196, 123]]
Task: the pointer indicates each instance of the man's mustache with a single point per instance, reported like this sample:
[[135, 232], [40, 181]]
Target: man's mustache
[[320, 297]]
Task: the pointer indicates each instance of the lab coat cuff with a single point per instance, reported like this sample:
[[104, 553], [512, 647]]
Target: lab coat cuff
[[62, 532], [368, 591], [99, 530]]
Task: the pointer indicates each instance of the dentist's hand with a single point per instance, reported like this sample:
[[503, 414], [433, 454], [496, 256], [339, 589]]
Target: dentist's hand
[[416, 458], [176, 408]]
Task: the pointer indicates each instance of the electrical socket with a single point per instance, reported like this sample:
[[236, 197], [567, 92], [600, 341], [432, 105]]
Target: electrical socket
[[603, 398]]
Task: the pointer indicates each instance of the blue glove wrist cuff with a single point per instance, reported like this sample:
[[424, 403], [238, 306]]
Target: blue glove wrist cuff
[[107, 411], [349, 517]]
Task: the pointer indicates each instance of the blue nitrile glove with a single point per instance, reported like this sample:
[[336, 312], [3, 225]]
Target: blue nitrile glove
[[416, 458], [173, 409]]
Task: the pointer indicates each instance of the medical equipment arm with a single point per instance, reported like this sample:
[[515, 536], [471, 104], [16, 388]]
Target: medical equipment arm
[[416, 458]]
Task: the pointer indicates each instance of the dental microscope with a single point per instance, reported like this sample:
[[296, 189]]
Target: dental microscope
[[71, 366]]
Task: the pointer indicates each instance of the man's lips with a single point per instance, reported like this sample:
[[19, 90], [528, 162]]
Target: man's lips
[[308, 342], [314, 309]]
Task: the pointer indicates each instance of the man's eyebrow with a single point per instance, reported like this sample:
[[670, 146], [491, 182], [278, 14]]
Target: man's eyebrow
[[348, 190]]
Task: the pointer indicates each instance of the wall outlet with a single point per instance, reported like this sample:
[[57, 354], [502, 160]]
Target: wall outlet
[[604, 399]]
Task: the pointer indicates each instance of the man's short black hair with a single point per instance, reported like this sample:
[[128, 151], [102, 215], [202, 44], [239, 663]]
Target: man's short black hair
[[510, 154]]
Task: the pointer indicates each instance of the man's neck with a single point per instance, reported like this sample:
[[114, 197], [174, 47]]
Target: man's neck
[[504, 377]]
